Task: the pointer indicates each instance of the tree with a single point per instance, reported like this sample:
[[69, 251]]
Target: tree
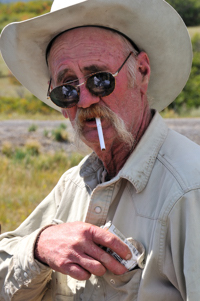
[[189, 10]]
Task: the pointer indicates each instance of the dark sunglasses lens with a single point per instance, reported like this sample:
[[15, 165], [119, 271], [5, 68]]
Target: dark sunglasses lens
[[101, 84], [65, 96]]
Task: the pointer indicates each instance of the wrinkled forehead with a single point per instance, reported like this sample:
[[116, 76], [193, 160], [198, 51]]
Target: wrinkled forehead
[[101, 34]]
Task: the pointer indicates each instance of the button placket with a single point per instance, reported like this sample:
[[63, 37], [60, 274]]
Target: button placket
[[99, 205]]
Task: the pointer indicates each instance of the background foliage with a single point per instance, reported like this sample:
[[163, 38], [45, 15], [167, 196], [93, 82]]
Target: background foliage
[[189, 98], [188, 9], [20, 11]]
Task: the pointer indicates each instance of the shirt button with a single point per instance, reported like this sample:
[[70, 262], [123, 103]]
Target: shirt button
[[25, 275], [98, 209], [112, 281]]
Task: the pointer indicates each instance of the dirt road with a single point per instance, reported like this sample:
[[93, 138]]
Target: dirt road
[[17, 133]]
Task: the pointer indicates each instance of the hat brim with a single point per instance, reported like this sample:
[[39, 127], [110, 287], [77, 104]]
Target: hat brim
[[154, 26]]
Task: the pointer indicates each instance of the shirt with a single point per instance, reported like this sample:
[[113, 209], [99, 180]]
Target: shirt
[[159, 206]]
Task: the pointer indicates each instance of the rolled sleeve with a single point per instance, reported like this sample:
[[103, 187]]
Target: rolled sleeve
[[25, 277]]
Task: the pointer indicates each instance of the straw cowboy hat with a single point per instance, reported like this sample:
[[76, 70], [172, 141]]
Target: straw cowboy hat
[[153, 25]]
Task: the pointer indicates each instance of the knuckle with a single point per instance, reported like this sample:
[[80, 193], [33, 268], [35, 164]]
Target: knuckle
[[61, 264], [112, 240]]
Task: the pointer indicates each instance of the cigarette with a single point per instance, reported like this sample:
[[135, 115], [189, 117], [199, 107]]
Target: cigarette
[[100, 133]]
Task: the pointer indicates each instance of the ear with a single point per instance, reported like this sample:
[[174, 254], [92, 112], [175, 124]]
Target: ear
[[64, 112], [144, 71]]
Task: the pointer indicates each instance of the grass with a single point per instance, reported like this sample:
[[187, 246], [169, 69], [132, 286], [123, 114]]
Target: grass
[[27, 177], [60, 134], [184, 113], [37, 116], [193, 30]]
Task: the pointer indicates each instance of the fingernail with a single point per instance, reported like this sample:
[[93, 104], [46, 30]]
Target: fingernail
[[129, 255]]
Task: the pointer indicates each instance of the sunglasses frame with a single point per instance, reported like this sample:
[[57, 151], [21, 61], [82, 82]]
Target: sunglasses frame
[[85, 77]]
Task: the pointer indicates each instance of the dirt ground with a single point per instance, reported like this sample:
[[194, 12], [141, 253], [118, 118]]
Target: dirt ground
[[17, 133]]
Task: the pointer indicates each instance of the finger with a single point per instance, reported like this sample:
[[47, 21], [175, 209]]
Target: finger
[[76, 271], [92, 265], [77, 260], [107, 239], [105, 259]]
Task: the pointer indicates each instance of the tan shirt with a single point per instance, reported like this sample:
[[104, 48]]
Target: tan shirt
[[159, 207]]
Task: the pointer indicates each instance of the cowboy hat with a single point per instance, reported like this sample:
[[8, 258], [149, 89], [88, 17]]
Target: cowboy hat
[[153, 25]]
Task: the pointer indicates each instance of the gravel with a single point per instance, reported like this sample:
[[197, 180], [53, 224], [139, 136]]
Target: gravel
[[17, 133]]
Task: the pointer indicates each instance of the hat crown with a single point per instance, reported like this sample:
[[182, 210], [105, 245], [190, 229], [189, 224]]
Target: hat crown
[[60, 4]]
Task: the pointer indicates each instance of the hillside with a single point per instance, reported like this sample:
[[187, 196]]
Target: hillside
[[10, 1]]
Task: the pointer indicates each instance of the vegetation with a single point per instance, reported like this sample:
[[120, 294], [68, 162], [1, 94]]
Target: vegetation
[[188, 100], [20, 11], [188, 9], [32, 128], [60, 134], [18, 106], [27, 177]]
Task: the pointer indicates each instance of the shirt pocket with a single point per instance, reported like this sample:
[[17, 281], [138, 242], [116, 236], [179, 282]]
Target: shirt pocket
[[123, 287], [111, 287], [61, 288]]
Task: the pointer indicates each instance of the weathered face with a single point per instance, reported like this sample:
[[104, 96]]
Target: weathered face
[[82, 51]]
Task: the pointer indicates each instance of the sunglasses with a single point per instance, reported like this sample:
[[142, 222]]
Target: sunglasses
[[99, 84]]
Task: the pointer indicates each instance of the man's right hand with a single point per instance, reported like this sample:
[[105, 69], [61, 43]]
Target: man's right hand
[[73, 249]]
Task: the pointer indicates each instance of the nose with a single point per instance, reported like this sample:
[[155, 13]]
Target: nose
[[86, 99]]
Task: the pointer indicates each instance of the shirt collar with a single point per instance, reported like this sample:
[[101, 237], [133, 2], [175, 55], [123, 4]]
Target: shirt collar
[[139, 165]]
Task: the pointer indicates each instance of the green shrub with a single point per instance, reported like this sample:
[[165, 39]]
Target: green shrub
[[30, 105], [189, 10], [19, 155], [189, 98], [32, 128], [60, 134], [20, 11]]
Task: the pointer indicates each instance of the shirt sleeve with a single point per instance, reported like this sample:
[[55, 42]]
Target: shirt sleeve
[[182, 245], [22, 277]]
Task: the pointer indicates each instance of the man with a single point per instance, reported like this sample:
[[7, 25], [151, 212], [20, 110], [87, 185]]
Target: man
[[147, 179]]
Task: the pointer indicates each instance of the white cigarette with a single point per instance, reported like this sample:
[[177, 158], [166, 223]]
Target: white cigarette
[[100, 133]]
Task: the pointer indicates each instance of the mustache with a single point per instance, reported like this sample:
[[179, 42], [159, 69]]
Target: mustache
[[105, 112], [92, 112]]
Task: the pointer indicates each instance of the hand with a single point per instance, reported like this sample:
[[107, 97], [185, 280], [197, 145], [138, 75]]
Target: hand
[[73, 249]]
